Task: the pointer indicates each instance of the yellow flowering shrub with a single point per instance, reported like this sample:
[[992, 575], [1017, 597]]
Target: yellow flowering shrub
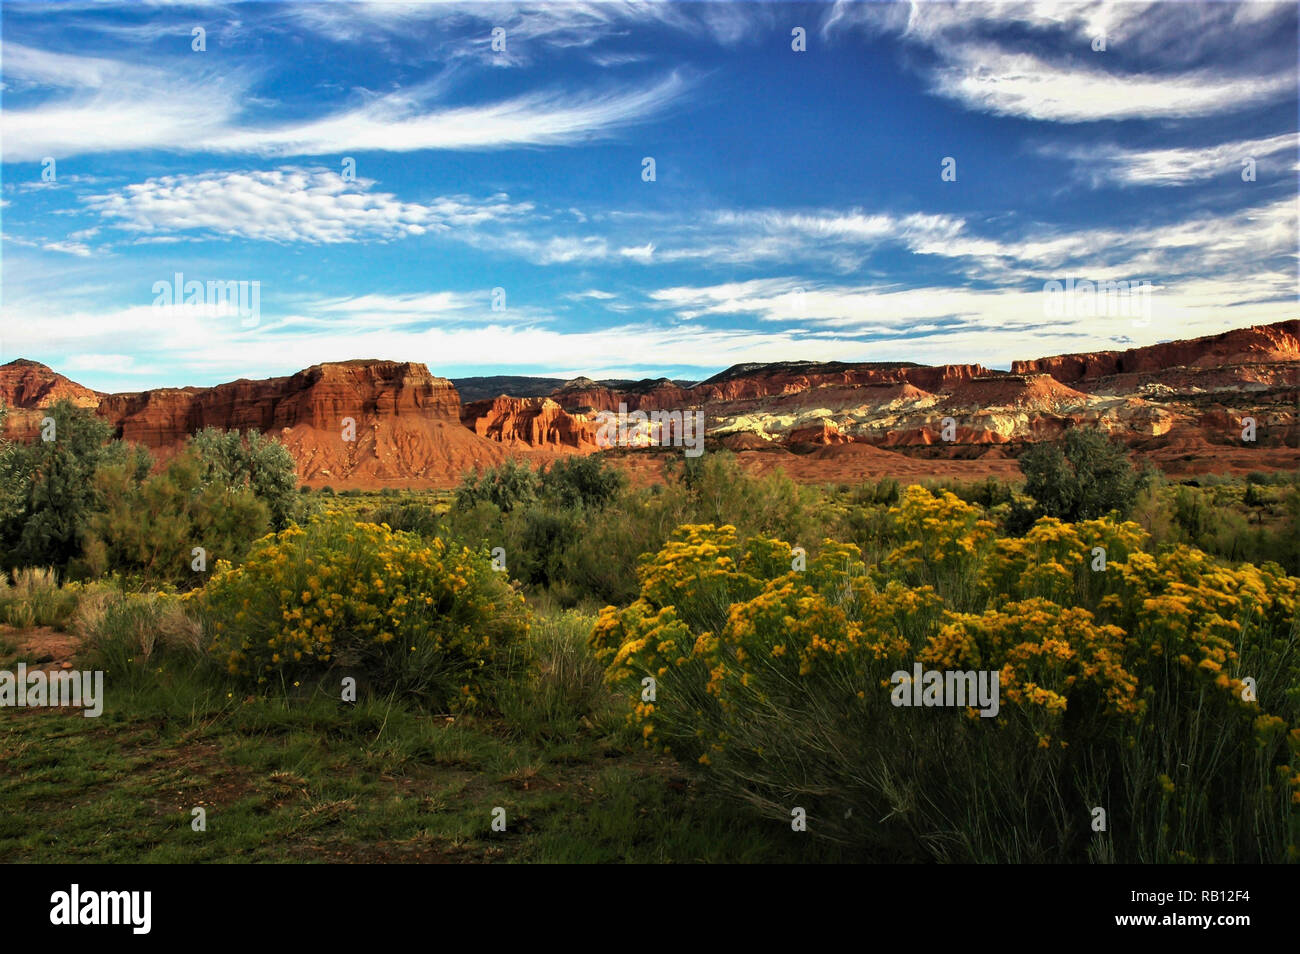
[[946, 541], [1160, 685], [1049, 658], [423, 616], [1055, 560]]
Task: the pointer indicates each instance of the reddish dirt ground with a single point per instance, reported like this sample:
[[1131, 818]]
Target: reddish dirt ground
[[835, 464], [41, 646]]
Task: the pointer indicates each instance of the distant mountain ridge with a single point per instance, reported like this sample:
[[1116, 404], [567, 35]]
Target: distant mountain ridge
[[1180, 404], [523, 386]]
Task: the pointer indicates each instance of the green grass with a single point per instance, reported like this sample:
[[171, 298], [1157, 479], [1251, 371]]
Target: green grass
[[308, 778]]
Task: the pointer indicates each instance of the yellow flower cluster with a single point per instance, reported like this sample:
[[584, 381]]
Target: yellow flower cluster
[[344, 591], [1075, 618], [946, 537]]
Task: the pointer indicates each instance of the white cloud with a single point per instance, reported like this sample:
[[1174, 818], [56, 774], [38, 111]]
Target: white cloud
[[115, 363], [71, 248], [112, 106], [527, 25], [1023, 84], [398, 124], [25, 65], [99, 105], [992, 327], [184, 345], [1146, 72], [1103, 164], [288, 205]]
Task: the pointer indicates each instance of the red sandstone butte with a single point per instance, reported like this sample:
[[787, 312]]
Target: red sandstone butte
[[404, 422], [823, 432]]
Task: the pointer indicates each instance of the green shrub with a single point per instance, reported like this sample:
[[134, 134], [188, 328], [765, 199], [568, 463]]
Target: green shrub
[[721, 492], [48, 487], [546, 534], [582, 481], [37, 599], [411, 517], [505, 487], [254, 461], [563, 691], [1087, 477], [148, 530], [129, 635], [601, 562]]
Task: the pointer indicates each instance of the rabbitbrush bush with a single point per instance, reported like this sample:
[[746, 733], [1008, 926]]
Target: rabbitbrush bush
[[1122, 689], [417, 616]]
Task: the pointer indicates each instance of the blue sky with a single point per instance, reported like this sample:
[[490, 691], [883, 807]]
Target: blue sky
[[797, 211]]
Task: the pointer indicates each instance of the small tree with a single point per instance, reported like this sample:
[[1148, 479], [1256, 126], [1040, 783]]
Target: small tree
[[1086, 477], [586, 481], [506, 487], [48, 487], [149, 528], [260, 463]]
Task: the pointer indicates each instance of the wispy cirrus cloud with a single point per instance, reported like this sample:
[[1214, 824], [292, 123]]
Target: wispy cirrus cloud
[[400, 124], [989, 58], [94, 104], [990, 326], [842, 239], [1033, 87], [225, 164], [317, 206], [1110, 164], [529, 27]]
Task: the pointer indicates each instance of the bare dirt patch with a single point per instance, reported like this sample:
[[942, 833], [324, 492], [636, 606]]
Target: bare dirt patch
[[42, 646]]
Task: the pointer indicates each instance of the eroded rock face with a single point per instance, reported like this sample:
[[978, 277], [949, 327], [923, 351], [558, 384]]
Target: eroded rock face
[[582, 395], [30, 385], [1260, 344], [764, 381], [1193, 395], [354, 423], [320, 397], [27, 387], [531, 422], [824, 432]]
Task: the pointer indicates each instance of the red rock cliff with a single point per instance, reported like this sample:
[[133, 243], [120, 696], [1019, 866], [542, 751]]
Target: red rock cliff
[[1260, 344], [319, 397], [30, 384]]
